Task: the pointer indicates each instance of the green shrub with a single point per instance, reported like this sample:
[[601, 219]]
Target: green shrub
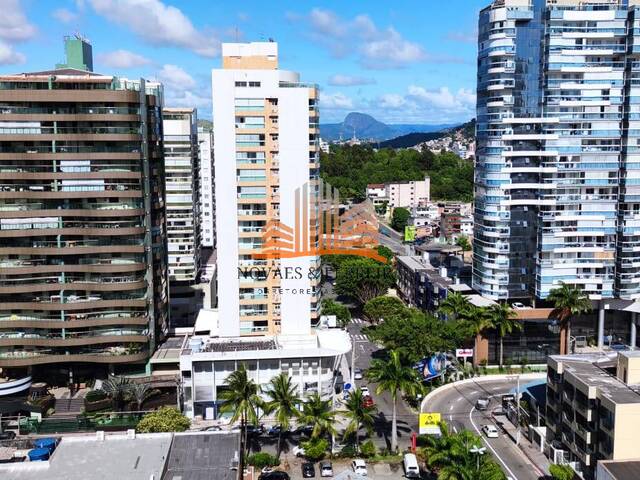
[[94, 396], [561, 472], [315, 448], [167, 419], [348, 451], [368, 449], [262, 459]]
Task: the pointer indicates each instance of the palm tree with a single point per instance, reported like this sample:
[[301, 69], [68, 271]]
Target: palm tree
[[117, 389], [505, 320], [394, 377], [284, 401], [359, 415], [568, 301], [479, 320], [455, 305], [242, 400], [140, 392], [317, 413]]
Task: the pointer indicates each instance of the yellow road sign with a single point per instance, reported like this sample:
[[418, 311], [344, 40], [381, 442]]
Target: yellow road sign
[[429, 419]]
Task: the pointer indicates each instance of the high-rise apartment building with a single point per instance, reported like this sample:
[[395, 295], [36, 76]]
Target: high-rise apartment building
[[182, 179], [83, 259], [557, 193], [206, 195], [266, 156]]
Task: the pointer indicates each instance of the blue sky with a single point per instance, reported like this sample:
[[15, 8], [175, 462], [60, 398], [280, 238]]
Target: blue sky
[[407, 62]]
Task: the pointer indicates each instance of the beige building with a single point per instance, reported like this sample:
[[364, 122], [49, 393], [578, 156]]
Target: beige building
[[408, 194], [593, 408]]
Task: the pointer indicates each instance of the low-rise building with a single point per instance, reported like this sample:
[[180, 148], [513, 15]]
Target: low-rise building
[[310, 360], [593, 408]]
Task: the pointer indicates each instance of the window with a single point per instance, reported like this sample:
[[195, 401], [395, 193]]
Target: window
[[241, 84], [254, 84]]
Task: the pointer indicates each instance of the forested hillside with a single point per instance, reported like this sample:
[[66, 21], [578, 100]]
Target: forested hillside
[[351, 168]]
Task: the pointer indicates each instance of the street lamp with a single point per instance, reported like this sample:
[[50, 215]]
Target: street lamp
[[477, 451]]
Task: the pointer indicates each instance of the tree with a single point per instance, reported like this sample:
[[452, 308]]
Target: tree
[[359, 415], [384, 307], [416, 334], [463, 242], [315, 448], [317, 413], [283, 403], [561, 472], [241, 399], [364, 279], [140, 392], [399, 218], [167, 419], [342, 313], [262, 459], [479, 320], [117, 389], [505, 320], [394, 377], [455, 305], [385, 252], [568, 301]]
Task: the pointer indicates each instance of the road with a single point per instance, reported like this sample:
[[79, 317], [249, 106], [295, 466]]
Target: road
[[457, 406], [392, 240], [407, 419]]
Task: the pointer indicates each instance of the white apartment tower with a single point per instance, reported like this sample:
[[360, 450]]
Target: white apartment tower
[[207, 197], [266, 156], [183, 229]]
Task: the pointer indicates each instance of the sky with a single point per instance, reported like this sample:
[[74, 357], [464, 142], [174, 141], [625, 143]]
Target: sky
[[407, 61]]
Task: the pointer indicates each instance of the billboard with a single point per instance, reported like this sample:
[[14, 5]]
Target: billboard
[[432, 367], [409, 233], [429, 420]]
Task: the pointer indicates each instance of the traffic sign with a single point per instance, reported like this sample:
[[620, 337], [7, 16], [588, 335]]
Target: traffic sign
[[347, 386], [428, 420]]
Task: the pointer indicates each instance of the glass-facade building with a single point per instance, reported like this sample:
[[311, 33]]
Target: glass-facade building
[[558, 148]]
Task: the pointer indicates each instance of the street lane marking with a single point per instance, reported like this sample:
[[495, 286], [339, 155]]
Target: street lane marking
[[488, 445], [451, 408]]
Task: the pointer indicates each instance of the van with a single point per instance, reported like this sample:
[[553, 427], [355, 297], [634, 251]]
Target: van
[[411, 469]]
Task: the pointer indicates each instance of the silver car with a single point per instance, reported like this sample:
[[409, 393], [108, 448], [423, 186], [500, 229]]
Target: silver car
[[326, 469]]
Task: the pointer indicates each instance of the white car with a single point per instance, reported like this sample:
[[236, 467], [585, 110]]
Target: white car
[[365, 391], [490, 431], [357, 374], [359, 467], [517, 305], [298, 451]]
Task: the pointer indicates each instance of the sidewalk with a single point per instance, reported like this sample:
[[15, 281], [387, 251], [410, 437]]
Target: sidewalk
[[532, 451]]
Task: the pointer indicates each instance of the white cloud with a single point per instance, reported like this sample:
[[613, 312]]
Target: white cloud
[[335, 101], [443, 98], [64, 15], [8, 56], [188, 98], [14, 25], [123, 59], [175, 77], [374, 47], [392, 100], [464, 37], [158, 24], [349, 80]]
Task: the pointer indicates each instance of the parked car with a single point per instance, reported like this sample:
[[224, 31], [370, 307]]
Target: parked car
[[365, 391], [359, 467], [326, 469], [308, 471], [298, 451], [490, 431], [367, 402], [482, 403], [275, 431], [304, 430], [517, 305], [357, 374], [255, 429], [7, 435], [214, 428], [274, 475], [411, 468]]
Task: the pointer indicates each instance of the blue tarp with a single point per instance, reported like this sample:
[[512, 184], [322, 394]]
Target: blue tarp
[[48, 443], [39, 454]]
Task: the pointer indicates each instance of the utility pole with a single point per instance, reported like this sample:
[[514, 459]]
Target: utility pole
[[518, 411]]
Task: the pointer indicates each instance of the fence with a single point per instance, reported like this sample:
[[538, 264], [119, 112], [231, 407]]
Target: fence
[[111, 421]]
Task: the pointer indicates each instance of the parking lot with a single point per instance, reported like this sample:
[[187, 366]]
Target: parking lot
[[342, 469]]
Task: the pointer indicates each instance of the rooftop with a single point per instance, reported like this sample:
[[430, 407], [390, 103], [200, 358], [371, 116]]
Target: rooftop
[[203, 457], [591, 369], [240, 345], [621, 469], [414, 262]]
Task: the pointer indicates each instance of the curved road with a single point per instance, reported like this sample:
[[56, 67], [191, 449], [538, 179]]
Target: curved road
[[457, 406]]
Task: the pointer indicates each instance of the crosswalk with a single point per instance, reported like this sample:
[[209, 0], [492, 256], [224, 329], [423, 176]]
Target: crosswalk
[[357, 320], [359, 337]]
